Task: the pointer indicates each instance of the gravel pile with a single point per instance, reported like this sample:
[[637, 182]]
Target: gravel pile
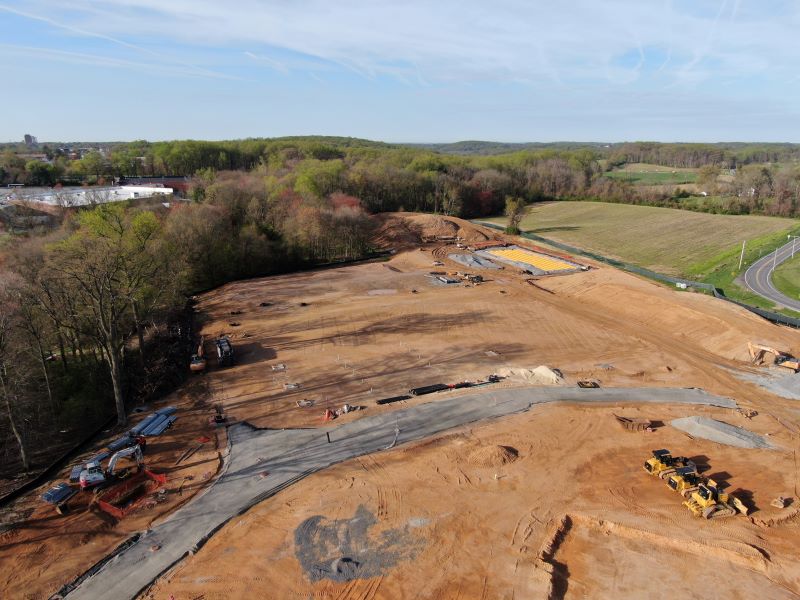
[[472, 261], [786, 385], [722, 433], [346, 549]]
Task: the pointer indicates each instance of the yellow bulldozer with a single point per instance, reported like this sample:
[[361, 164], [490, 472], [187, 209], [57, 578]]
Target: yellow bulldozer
[[663, 464], [685, 480], [782, 359], [709, 502]]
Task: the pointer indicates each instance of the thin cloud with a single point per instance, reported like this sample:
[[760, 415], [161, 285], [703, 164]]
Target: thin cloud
[[457, 41], [94, 60], [86, 33]]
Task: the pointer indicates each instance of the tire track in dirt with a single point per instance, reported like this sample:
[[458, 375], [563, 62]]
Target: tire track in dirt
[[387, 494]]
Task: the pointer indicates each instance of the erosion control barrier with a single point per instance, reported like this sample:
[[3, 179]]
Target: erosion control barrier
[[717, 292]]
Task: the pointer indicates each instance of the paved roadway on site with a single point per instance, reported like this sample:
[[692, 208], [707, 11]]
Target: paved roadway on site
[[758, 277], [289, 455]]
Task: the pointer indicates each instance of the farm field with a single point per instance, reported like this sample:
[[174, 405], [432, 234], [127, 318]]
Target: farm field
[[647, 174], [666, 240]]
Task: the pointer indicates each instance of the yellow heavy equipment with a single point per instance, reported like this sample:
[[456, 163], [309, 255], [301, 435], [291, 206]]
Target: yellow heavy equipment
[[782, 359], [709, 502], [685, 480], [663, 464], [198, 362]]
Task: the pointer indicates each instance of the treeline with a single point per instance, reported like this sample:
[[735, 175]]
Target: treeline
[[391, 179], [753, 190], [725, 155], [91, 314]]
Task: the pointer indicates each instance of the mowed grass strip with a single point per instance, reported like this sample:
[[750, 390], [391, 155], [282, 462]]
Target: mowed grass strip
[[647, 174], [666, 240], [653, 178]]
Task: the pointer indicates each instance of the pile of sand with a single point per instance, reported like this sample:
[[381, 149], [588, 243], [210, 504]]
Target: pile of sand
[[541, 375], [493, 456], [722, 433]]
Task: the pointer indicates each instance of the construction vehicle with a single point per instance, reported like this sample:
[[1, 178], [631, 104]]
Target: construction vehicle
[[224, 350], [663, 464], [94, 475], [782, 359], [198, 363], [685, 480], [709, 502]]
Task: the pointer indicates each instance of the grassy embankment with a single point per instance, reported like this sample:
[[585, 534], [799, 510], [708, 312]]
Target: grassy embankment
[[699, 246], [787, 276]]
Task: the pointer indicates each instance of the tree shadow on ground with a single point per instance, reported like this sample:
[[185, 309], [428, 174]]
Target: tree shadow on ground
[[551, 229]]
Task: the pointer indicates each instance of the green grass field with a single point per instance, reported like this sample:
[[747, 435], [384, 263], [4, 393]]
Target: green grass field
[[700, 246], [787, 277], [646, 174]]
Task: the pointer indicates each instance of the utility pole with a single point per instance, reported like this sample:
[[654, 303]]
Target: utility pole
[[741, 258]]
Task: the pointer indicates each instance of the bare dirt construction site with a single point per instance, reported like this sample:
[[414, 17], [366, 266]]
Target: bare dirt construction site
[[551, 501]]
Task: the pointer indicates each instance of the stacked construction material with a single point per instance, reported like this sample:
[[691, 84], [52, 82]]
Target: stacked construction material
[[428, 389], [156, 423]]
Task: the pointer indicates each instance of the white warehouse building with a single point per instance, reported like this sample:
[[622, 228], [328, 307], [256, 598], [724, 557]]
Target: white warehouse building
[[70, 197]]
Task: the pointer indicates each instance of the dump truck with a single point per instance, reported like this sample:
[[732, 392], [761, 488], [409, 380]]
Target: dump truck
[[224, 350], [663, 464], [94, 475], [709, 502], [782, 359]]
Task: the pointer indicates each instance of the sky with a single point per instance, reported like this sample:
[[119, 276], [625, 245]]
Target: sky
[[401, 70]]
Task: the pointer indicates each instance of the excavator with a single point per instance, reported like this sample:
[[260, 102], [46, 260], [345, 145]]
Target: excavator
[[94, 475], [782, 359], [663, 464], [198, 362], [685, 480], [709, 502]]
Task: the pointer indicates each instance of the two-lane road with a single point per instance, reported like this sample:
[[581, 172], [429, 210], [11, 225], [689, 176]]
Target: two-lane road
[[758, 277]]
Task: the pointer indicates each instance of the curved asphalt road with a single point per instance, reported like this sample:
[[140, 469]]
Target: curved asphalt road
[[289, 455], [758, 277]]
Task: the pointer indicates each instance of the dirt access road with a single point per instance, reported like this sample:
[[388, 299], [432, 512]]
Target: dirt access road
[[264, 462]]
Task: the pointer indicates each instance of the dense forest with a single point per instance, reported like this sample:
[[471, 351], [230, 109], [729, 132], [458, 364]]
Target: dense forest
[[467, 179], [93, 313]]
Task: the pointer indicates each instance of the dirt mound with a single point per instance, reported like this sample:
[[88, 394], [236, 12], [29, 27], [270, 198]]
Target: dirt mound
[[409, 229], [493, 456], [541, 375]]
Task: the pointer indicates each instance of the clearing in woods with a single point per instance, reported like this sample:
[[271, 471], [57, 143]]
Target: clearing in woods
[[667, 240], [647, 174]]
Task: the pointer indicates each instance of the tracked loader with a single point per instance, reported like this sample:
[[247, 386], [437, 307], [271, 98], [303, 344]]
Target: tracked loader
[[685, 480], [663, 464], [709, 502]]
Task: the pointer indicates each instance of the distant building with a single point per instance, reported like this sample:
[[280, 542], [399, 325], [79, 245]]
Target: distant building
[[88, 196], [30, 140]]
